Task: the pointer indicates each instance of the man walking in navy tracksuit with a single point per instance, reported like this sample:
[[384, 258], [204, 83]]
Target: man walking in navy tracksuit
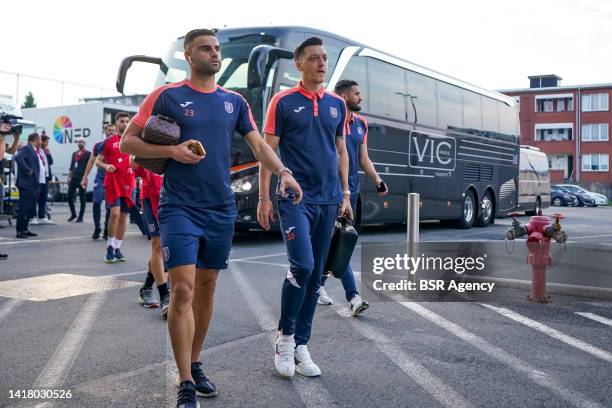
[[28, 183]]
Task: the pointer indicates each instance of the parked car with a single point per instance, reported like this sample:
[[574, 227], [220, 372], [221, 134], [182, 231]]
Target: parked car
[[583, 199], [560, 197], [600, 199]]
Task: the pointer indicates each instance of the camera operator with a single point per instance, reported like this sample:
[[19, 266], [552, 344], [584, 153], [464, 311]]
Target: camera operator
[[6, 129]]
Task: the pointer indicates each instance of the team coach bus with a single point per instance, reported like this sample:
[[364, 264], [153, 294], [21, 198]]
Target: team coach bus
[[454, 143]]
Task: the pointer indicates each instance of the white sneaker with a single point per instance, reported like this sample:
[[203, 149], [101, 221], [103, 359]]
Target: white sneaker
[[44, 221], [305, 365], [323, 298], [358, 305], [34, 221], [284, 356]]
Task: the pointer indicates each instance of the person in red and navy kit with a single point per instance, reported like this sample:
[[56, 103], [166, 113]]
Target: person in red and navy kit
[[150, 189], [308, 125], [197, 210], [119, 183], [357, 148]]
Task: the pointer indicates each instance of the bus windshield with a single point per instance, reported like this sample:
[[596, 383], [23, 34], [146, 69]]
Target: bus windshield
[[235, 52]]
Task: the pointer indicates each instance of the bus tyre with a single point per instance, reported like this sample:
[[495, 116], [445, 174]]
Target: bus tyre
[[468, 212], [536, 210], [485, 215]]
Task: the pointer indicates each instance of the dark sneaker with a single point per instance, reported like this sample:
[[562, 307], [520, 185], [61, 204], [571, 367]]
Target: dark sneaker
[[31, 234], [204, 387], [96, 234], [72, 218], [105, 235], [146, 298], [165, 305], [110, 254], [186, 397], [119, 256], [79, 219]]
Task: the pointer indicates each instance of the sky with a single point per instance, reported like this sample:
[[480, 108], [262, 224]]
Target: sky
[[493, 44]]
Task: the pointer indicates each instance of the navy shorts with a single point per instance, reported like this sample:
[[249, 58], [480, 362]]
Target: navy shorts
[[152, 225], [196, 236], [98, 192], [120, 202]]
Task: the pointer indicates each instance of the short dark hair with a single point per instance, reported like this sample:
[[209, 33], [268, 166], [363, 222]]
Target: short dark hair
[[344, 85], [44, 137], [193, 34], [299, 50], [120, 115], [33, 137]]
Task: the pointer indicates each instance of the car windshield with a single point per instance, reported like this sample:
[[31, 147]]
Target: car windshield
[[575, 189]]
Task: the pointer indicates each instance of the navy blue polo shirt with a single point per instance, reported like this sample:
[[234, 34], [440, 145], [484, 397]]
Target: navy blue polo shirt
[[210, 117], [356, 136], [307, 124], [97, 150]]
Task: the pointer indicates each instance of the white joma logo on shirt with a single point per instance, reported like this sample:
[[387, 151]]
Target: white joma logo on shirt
[[298, 110], [186, 104]]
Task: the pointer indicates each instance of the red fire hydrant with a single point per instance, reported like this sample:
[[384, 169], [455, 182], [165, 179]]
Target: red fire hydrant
[[540, 230]]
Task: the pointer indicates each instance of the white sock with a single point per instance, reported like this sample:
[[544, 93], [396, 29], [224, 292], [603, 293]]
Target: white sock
[[118, 243], [111, 242]]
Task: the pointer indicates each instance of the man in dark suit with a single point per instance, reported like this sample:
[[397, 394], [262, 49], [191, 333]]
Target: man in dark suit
[[28, 183]]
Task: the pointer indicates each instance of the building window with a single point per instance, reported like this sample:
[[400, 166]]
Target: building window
[[595, 132], [560, 105], [554, 103], [595, 102], [548, 105], [553, 132], [595, 162]]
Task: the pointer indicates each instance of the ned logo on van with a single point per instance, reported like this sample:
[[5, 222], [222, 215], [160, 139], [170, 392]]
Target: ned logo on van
[[433, 152]]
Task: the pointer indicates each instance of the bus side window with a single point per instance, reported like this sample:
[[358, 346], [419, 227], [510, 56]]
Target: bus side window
[[356, 70], [421, 99], [387, 90], [490, 116]]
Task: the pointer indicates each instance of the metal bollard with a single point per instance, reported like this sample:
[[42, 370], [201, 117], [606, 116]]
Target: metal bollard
[[412, 218], [412, 224]]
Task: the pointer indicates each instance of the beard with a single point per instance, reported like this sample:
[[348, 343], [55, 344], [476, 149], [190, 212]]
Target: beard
[[204, 69], [353, 107]]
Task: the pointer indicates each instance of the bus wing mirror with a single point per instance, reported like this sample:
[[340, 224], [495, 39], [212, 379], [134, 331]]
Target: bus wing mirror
[[261, 59], [127, 63]]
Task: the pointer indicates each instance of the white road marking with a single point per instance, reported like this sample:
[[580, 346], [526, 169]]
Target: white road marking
[[9, 306], [573, 397], [54, 372], [555, 334], [441, 392], [597, 318], [311, 390], [258, 257]]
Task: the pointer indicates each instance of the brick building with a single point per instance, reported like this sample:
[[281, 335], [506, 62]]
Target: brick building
[[571, 125]]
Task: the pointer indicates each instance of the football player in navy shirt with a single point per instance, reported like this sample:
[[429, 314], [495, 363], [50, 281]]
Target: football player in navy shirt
[[197, 210], [357, 148], [308, 125]]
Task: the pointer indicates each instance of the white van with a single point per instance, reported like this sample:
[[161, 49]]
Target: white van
[[534, 180]]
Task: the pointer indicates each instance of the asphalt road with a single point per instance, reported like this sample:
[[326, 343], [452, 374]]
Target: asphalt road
[[110, 352]]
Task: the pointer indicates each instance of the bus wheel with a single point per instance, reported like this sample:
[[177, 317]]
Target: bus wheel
[[485, 215], [469, 211]]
